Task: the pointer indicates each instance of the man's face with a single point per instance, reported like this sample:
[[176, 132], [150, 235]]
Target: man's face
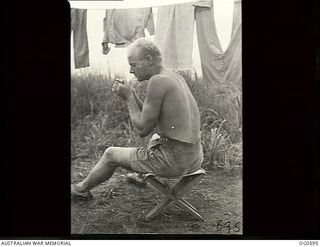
[[138, 66]]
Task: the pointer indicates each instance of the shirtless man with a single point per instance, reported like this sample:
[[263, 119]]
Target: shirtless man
[[169, 107]]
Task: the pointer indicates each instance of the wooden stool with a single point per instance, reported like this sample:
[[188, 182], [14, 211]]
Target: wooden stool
[[175, 193]]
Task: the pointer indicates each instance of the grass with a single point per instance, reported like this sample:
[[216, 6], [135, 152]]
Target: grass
[[100, 119]]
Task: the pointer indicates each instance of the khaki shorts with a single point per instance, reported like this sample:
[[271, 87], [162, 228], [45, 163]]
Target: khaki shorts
[[167, 157]]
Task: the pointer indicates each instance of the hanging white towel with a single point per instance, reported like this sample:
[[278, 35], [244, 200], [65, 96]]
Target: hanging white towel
[[174, 35]]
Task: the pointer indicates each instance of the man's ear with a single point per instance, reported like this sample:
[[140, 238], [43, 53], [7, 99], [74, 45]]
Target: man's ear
[[149, 58]]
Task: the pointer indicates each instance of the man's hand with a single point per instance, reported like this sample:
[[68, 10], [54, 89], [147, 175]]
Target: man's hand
[[121, 88]]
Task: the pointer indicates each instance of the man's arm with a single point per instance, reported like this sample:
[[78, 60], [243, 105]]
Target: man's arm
[[137, 99], [145, 120]]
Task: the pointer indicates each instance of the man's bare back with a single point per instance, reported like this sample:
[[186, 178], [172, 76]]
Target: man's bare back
[[179, 116]]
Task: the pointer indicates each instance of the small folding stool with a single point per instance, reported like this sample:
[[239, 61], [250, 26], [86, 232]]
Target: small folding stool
[[174, 193]]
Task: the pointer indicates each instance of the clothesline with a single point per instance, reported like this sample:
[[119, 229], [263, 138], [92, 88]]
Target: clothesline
[[174, 35], [124, 4]]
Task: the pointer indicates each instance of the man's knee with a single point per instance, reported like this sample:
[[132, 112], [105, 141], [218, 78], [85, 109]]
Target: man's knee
[[117, 156], [109, 154]]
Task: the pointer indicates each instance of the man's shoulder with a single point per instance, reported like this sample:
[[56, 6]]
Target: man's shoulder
[[159, 84], [166, 78], [163, 76]]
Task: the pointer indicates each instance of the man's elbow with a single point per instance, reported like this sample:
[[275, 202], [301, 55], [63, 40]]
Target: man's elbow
[[144, 132]]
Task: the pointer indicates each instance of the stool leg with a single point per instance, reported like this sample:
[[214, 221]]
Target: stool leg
[[161, 187], [189, 209], [185, 184], [174, 195], [156, 210], [187, 203], [182, 187], [165, 202]]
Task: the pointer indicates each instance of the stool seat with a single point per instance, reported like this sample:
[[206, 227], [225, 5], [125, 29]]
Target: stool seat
[[174, 193], [199, 171]]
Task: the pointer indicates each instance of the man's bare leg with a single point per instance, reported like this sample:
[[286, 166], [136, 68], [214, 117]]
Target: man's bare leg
[[112, 158]]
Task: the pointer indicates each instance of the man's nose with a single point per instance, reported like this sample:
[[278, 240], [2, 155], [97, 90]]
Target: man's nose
[[131, 71]]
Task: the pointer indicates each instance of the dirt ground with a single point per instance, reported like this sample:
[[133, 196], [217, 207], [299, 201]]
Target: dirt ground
[[119, 207]]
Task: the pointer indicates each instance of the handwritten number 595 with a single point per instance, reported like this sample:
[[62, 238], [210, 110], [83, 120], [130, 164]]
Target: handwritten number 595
[[227, 224]]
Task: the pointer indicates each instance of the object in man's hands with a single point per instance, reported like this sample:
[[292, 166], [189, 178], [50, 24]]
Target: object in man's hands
[[120, 81], [116, 84]]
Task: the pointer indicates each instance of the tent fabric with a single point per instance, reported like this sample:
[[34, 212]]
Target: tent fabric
[[123, 26], [174, 35], [80, 37], [218, 66]]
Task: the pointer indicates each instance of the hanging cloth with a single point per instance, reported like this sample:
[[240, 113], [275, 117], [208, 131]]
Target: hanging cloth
[[218, 66], [80, 37], [174, 35], [233, 55], [123, 26], [210, 49]]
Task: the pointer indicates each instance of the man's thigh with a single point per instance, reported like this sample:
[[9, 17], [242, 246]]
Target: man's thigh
[[120, 156]]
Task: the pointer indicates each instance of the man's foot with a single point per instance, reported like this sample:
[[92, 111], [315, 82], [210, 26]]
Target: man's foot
[[80, 195], [134, 178]]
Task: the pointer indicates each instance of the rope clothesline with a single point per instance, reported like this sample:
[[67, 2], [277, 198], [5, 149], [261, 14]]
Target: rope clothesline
[[124, 4]]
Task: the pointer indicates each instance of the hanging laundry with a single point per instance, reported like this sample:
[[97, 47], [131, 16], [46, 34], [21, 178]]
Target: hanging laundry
[[174, 35], [218, 66], [80, 37], [211, 53], [122, 26], [233, 55]]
